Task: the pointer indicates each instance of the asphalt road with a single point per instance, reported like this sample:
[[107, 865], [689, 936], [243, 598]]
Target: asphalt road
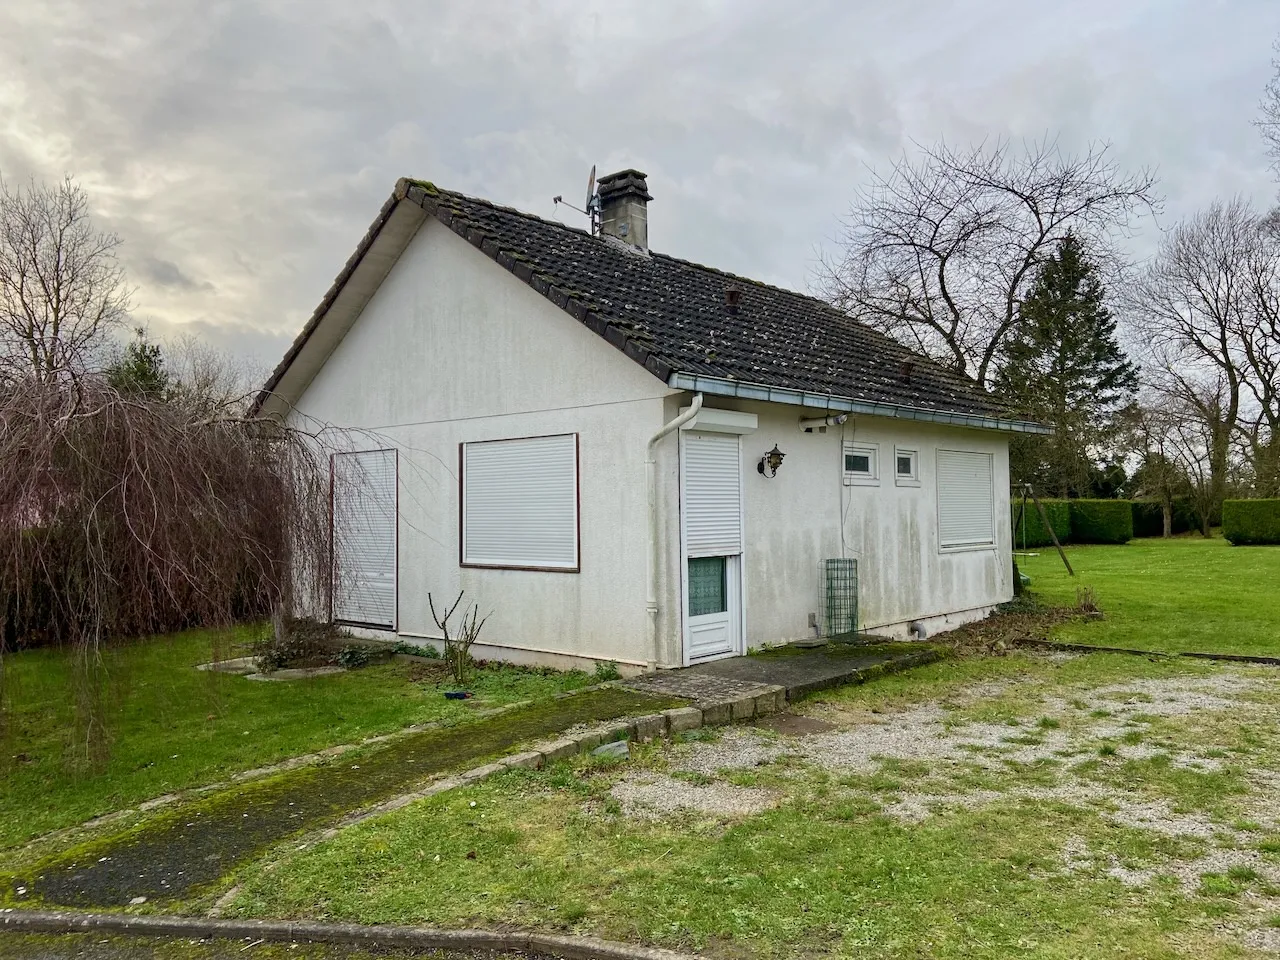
[[96, 946]]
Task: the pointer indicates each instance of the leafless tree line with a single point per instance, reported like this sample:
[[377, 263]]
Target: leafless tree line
[[1207, 311]]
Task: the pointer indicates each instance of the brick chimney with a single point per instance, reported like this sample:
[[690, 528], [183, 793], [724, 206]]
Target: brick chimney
[[624, 202]]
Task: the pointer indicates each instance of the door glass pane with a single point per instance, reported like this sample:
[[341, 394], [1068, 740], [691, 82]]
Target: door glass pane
[[706, 586]]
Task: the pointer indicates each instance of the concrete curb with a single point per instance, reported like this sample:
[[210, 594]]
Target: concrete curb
[[347, 934], [1193, 655]]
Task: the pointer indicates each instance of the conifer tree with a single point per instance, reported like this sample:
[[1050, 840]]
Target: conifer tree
[[1064, 367]]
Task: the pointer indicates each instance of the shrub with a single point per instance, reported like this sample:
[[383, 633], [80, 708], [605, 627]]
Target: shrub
[[1101, 521], [298, 643], [353, 656], [606, 671], [1031, 528], [426, 650], [1248, 522]]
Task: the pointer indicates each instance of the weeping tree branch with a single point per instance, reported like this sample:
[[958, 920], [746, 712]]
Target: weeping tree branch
[[123, 516]]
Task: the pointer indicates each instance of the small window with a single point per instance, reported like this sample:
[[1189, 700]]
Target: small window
[[708, 591], [860, 463], [906, 473], [520, 503]]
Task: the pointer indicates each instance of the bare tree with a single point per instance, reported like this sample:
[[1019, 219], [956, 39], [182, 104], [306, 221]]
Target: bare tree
[[1162, 473], [939, 252], [210, 377], [1269, 113], [1208, 307], [62, 291]]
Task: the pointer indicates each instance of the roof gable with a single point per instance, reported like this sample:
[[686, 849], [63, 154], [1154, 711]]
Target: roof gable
[[670, 315]]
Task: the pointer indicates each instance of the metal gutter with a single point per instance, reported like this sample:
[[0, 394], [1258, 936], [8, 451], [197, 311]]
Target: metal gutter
[[718, 387]]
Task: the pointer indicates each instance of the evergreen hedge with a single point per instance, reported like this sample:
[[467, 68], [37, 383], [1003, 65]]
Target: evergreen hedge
[[1247, 522], [1037, 535], [1101, 521]]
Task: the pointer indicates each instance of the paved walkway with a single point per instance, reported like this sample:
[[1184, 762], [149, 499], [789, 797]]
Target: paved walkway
[[801, 671]]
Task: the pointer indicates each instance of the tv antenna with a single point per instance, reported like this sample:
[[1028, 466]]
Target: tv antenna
[[589, 209]]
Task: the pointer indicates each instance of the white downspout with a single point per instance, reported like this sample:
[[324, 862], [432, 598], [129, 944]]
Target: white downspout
[[651, 482]]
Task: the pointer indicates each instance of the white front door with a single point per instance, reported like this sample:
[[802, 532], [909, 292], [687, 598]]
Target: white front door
[[711, 515]]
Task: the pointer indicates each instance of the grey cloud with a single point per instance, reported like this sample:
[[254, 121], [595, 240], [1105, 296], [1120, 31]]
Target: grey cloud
[[166, 273], [241, 148]]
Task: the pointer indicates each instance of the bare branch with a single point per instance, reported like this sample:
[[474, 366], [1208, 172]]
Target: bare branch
[[939, 252]]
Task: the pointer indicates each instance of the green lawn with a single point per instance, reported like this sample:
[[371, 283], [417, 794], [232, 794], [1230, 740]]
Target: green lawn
[[171, 727], [1013, 857], [1183, 594]]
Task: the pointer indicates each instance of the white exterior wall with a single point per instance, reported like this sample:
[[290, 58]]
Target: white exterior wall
[[794, 520], [453, 348]]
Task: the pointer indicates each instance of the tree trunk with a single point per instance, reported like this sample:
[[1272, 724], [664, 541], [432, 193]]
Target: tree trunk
[[1166, 512]]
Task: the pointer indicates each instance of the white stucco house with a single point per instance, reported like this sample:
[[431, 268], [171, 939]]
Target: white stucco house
[[576, 431]]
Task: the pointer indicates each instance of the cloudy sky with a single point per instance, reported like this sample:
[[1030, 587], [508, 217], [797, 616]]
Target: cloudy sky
[[241, 148]]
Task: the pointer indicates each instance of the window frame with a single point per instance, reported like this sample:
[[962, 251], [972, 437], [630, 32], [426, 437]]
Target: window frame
[[853, 478], [967, 547], [911, 479], [577, 508]]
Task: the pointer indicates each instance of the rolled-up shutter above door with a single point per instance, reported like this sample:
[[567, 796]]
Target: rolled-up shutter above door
[[966, 499], [712, 495], [364, 538]]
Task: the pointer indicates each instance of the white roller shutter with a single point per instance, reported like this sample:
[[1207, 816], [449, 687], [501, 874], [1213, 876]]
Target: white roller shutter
[[364, 538], [966, 499], [520, 503], [712, 495]]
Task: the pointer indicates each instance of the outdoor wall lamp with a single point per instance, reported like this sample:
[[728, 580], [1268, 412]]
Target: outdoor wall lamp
[[770, 462]]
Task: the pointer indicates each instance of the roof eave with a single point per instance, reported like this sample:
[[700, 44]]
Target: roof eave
[[720, 387]]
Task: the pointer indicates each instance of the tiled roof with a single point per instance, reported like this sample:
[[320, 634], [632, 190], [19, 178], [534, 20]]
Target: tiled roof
[[671, 316], [673, 312]]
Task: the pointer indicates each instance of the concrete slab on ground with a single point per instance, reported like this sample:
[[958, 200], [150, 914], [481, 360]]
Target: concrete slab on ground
[[800, 671]]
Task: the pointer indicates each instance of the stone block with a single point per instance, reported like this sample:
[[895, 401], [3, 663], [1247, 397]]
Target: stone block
[[771, 701], [744, 708], [590, 740], [479, 773], [560, 750], [652, 727], [683, 719], [532, 760], [618, 748], [716, 714]]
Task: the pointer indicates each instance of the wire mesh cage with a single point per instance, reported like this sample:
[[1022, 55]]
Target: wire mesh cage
[[838, 596]]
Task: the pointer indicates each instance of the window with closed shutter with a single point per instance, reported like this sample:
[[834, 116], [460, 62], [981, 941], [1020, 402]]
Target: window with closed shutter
[[364, 538], [966, 500], [520, 503]]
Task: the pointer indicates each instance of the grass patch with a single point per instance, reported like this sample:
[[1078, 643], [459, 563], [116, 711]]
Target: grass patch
[[183, 850], [172, 727], [1183, 594], [823, 874]]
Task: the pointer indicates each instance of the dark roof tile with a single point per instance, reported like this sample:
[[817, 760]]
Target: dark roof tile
[[660, 308]]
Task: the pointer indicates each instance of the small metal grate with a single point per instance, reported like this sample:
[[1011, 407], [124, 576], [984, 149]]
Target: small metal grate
[[838, 600]]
